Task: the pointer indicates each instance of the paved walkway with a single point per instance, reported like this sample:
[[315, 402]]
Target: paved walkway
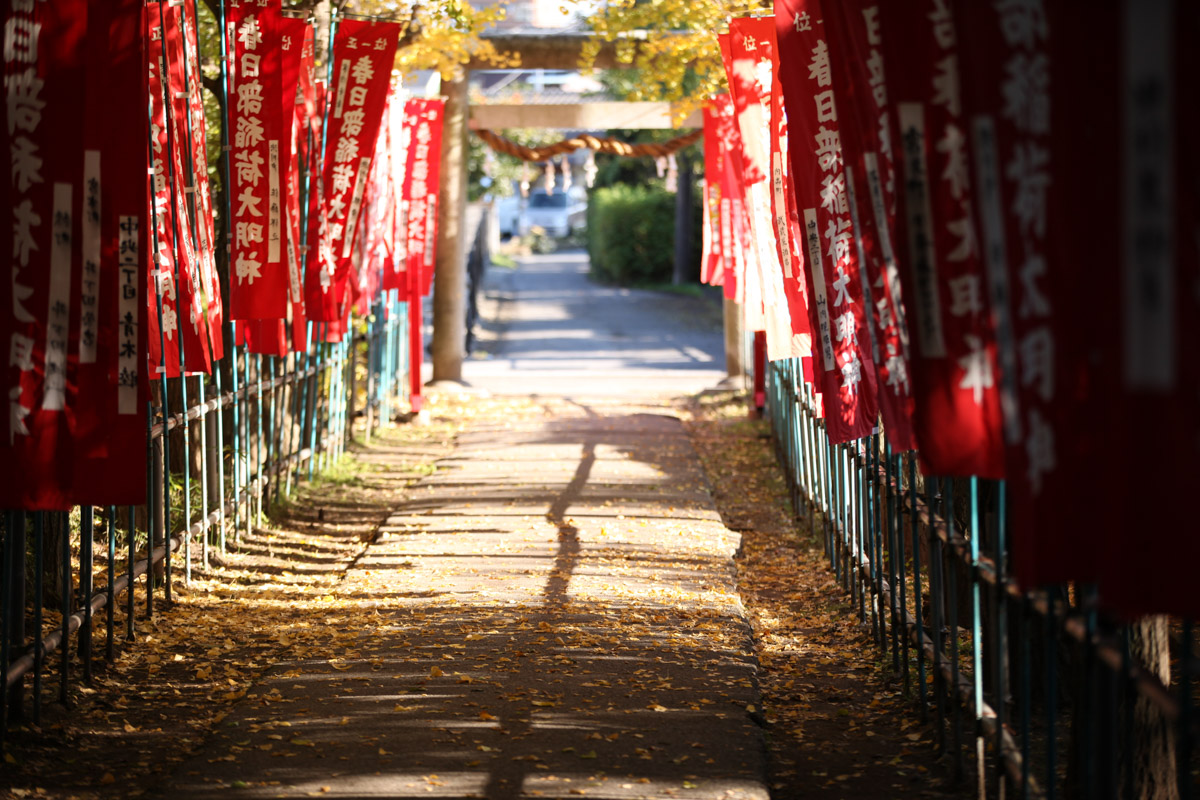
[[547, 329], [556, 616], [554, 612]]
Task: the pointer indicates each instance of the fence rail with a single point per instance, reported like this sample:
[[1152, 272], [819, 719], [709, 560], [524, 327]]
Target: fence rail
[[1044, 694], [283, 420]]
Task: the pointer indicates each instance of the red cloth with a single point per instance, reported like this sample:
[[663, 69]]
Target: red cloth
[[110, 427], [422, 174], [363, 55], [711, 271], [838, 318], [188, 317], [855, 46], [956, 412], [259, 144], [44, 72], [1018, 178], [203, 214]]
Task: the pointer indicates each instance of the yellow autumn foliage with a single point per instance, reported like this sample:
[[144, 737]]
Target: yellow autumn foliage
[[449, 34], [673, 43]]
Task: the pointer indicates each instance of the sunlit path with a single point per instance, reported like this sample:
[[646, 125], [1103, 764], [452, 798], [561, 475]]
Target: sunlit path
[[548, 329], [555, 615]]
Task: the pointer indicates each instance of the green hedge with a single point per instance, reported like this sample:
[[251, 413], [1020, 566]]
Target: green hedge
[[631, 234]]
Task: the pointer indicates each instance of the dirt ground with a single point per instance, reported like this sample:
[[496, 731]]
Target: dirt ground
[[838, 724], [835, 721]]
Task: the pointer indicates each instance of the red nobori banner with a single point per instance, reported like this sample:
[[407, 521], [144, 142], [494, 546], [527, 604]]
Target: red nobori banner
[[749, 288], [399, 137], [188, 237], [1150, 569], [163, 336], [855, 41], [44, 85], [297, 67], [711, 270], [422, 173], [363, 55], [259, 141], [956, 412], [384, 201], [110, 426], [183, 314], [320, 299], [754, 65], [732, 221], [202, 204], [1005, 69], [839, 320], [789, 236], [302, 130]]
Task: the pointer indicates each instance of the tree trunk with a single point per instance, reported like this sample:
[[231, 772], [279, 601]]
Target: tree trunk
[[1153, 751]]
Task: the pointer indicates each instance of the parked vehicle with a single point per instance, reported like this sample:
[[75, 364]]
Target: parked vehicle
[[508, 210], [557, 214]]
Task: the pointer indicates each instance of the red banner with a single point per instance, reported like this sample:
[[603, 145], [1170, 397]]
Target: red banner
[[379, 224], [303, 112], [363, 55], [749, 290], [258, 138], [401, 141], [855, 47], [183, 308], [202, 204], [732, 220], [320, 299], [390, 252], [267, 337], [838, 318], [296, 57], [44, 84], [161, 296], [711, 270], [956, 412], [422, 174], [789, 236], [110, 426], [1006, 73], [1149, 568], [189, 262], [754, 65]]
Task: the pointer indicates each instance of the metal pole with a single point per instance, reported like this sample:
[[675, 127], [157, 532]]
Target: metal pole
[[111, 606], [39, 594], [86, 531], [200, 395], [917, 609], [60, 518]]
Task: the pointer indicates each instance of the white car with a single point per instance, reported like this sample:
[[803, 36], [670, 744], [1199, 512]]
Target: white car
[[557, 214], [508, 210]]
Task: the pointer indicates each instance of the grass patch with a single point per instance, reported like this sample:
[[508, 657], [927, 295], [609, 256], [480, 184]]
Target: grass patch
[[504, 261]]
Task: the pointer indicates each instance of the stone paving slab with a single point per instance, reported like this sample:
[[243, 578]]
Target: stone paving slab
[[537, 635]]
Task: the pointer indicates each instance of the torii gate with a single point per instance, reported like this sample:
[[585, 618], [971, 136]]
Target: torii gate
[[558, 51]]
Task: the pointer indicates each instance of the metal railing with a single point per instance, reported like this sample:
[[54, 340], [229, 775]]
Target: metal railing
[[1038, 689], [283, 420]]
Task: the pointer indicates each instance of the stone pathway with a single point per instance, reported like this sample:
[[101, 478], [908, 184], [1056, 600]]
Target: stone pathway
[[556, 616]]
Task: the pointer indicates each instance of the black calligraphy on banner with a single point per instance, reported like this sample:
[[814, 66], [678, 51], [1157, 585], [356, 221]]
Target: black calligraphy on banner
[[44, 55]]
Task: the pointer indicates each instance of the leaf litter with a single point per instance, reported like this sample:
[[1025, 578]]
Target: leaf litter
[[304, 591]]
